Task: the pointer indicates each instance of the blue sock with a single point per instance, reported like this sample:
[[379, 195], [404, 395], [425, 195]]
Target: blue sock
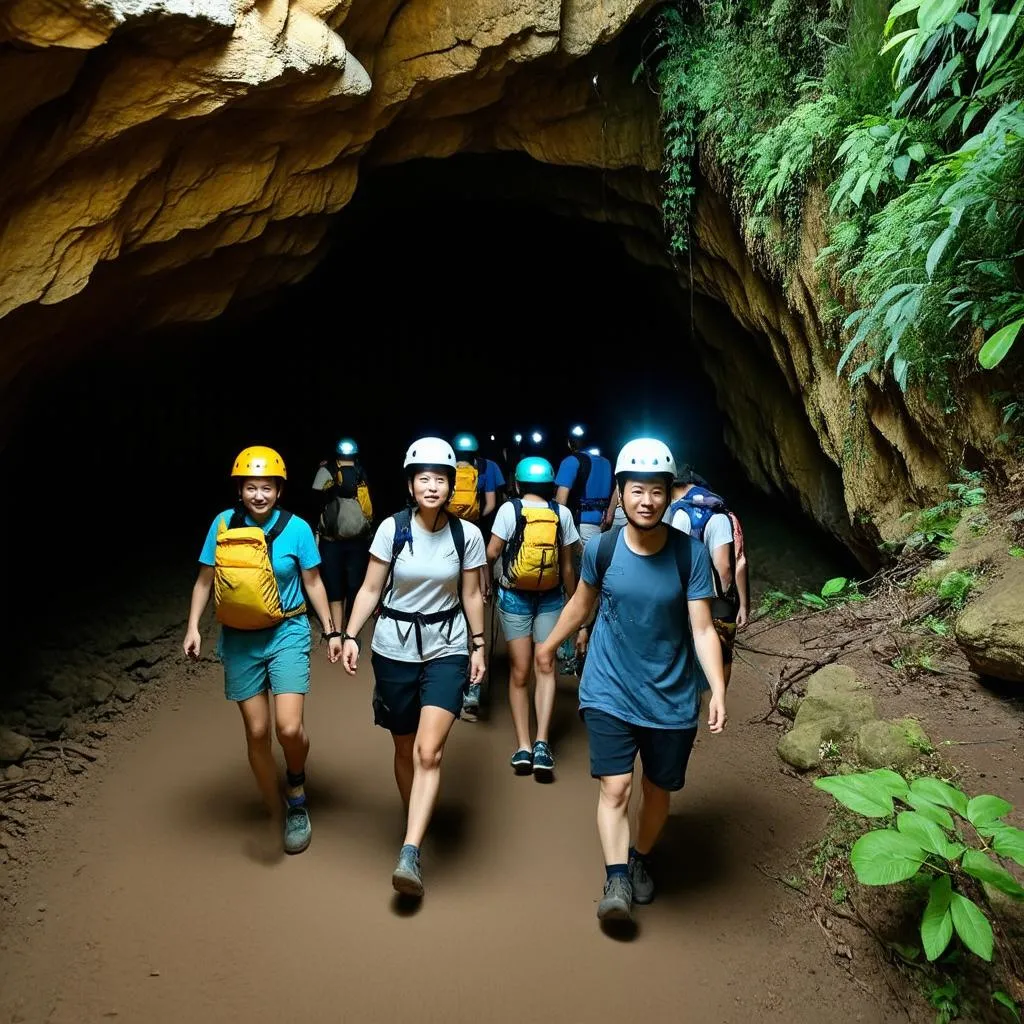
[[611, 870], [634, 854], [296, 795], [415, 850]]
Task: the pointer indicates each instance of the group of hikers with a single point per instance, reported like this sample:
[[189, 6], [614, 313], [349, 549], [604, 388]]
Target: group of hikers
[[638, 571]]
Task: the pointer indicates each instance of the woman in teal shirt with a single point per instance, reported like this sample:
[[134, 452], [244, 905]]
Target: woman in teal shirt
[[275, 658]]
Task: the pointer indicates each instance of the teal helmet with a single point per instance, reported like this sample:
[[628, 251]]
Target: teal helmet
[[346, 447], [466, 443], [535, 470]]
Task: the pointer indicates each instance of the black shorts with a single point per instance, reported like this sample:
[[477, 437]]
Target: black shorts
[[343, 567], [614, 744], [403, 687]]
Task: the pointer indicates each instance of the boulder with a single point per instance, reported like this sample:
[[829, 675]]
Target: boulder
[[801, 746], [891, 744], [833, 679], [834, 692], [100, 690], [126, 690], [13, 746], [990, 631]]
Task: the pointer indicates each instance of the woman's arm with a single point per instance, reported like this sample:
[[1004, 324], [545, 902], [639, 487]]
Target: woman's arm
[[362, 608], [200, 598], [743, 587], [567, 568], [473, 605], [578, 610], [318, 599]]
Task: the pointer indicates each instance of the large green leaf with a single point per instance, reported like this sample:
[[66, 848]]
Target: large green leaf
[[985, 809], [940, 792], [900, 8], [937, 922], [924, 832], [976, 864], [1004, 1000], [834, 586], [885, 856], [893, 782], [1007, 841], [933, 812], [934, 14], [860, 793], [994, 351], [938, 247], [972, 926]]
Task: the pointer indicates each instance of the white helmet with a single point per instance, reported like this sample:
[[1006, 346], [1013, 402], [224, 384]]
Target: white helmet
[[430, 451], [646, 455]]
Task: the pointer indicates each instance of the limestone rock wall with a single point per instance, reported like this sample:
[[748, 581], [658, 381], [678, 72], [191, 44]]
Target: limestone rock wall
[[161, 159]]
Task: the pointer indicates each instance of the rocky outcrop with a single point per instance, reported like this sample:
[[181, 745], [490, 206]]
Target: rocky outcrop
[[162, 159], [990, 630]]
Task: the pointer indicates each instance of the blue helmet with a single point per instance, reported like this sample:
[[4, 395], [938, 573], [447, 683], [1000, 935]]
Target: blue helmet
[[346, 447], [535, 470], [466, 443]]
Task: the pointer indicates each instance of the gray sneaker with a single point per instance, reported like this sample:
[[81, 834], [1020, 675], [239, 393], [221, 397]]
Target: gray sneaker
[[471, 702], [406, 877], [640, 879], [297, 830], [618, 895]]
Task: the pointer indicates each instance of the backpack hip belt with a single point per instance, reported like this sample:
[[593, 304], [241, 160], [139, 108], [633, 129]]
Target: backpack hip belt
[[421, 619]]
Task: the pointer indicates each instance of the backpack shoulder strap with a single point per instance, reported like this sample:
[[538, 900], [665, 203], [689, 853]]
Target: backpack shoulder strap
[[605, 551], [517, 507], [283, 519], [459, 539], [553, 506], [237, 519], [403, 527], [684, 557]]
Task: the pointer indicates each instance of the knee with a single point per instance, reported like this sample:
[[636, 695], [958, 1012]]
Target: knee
[[257, 734], [519, 675], [290, 731], [404, 748], [429, 756], [615, 794]]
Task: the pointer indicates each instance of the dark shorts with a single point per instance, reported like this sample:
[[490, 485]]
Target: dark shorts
[[614, 745], [342, 568], [727, 634], [403, 687]]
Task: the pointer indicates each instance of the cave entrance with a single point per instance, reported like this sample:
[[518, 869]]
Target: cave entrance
[[441, 306]]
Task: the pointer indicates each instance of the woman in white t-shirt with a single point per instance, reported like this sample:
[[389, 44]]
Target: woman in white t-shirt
[[423, 654], [536, 539]]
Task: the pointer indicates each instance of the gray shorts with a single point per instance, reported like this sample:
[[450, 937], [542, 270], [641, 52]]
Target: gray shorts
[[537, 625]]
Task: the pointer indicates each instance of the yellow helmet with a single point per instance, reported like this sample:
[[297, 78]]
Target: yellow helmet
[[259, 461]]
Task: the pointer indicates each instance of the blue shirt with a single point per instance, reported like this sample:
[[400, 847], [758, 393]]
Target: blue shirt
[[294, 550], [641, 666], [491, 479], [599, 483]]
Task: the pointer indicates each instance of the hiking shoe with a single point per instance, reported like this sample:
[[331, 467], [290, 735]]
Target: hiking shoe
[[471, 702], [406, 877], [297, 830], [640, 879], [543, 762], [618, 895], [522, 761]]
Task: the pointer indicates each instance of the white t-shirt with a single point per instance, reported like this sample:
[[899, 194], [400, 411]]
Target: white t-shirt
[[505, 521], [323, 479], [717, 532], [426, 581]]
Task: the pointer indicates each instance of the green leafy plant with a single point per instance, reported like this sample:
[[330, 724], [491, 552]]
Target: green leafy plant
[[946, 841], [1007, 1003], [836, 591], [955, 586]]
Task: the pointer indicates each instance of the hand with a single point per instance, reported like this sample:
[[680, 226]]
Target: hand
[[582, 641], [477, 666], [544, 655], [716, 713], [193, 644], [334, 649], [742, 616], [350, 656], [485, 589]]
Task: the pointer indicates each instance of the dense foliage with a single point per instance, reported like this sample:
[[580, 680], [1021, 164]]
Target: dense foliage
[[905, 123]]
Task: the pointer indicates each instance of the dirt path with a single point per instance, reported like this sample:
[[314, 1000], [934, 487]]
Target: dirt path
[[155, 909]]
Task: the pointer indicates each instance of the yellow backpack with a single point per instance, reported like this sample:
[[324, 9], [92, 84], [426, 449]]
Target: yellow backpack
[[465, 499], [530, 560], [245, 589]]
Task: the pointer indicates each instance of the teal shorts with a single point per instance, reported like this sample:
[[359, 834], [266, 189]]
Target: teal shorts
[[256, 660]]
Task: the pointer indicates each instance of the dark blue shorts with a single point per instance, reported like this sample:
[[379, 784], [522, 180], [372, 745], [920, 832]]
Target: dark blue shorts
[[342, 568], [614, 745], [403, 687]]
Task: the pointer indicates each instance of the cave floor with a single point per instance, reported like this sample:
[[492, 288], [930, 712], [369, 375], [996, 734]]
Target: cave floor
[[148, 896]]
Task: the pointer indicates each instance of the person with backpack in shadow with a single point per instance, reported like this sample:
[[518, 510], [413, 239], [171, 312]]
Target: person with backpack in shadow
[[344, 527], [534, 537], [424, 584], [701, 513], [641, 685], [256, 560], [584, 484], [474, 499]]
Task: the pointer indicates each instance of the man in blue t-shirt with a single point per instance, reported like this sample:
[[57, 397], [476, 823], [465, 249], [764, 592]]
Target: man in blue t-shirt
[[584, 484], [641, 685]]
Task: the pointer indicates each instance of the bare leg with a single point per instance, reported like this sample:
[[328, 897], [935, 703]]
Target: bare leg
[[291, 733], [654, 804], [428, 750], [520, 660], [544, 701], [404, 766], [613, 818], [256, 718]]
